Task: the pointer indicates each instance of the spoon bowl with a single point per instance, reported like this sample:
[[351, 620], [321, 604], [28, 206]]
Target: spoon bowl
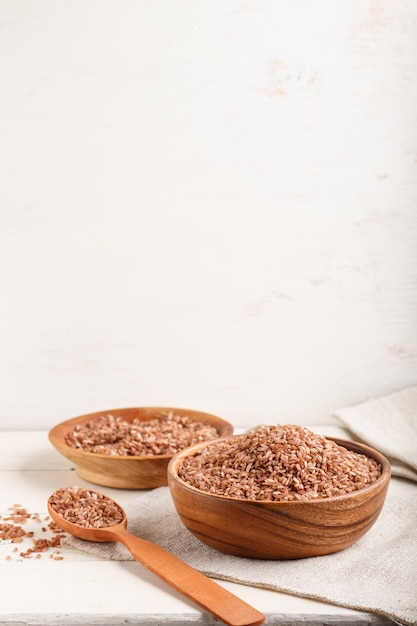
[[83, 514], [108, 533]]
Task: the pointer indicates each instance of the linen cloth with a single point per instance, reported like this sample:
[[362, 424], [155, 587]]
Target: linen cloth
[[378, 574]]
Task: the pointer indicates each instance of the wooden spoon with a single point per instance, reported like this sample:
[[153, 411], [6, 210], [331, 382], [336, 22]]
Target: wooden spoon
[[189, 581]]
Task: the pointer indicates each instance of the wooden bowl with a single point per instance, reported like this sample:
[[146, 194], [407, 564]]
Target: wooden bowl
[[279, 530], [126, 472]]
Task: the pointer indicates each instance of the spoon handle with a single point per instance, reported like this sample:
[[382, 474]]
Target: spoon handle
[[192, 583]]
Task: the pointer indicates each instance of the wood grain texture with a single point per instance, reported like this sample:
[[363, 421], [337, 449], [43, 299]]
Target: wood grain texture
[[126, 472], [206, 204], [190, 582], [280, 530], [128, 592]]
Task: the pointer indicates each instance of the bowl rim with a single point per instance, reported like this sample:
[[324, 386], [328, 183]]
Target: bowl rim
[[383, 479], [57, 437]]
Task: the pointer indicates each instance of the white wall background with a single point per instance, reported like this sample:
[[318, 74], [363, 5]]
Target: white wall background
[[208, 204]]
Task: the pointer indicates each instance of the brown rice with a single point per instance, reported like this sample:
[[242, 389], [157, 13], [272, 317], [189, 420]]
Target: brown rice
[[278, 463], [13, 530], [164, 434], [86, 508]]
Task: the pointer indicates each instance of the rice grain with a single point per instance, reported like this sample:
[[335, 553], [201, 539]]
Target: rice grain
[[86, 508], [278, 463], [166, 433]]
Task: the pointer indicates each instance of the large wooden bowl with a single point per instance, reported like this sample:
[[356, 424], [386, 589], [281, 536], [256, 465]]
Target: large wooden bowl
[[279, 530], [126, 472]]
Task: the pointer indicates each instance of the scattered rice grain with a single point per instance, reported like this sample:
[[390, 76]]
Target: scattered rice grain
[[14, 531]]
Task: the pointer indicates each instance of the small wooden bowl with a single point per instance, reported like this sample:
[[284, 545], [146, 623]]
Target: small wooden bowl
[[279, 530], [126, 472]]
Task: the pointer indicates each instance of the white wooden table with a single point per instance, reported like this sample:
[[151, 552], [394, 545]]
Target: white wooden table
[[81, 589]]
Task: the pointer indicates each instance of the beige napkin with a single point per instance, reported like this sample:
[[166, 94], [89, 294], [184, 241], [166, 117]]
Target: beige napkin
[[389, 424], [377, 574]]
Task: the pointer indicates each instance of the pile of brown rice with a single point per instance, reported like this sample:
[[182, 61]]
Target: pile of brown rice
[[166, 433], [278, 462], [86, 508]]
